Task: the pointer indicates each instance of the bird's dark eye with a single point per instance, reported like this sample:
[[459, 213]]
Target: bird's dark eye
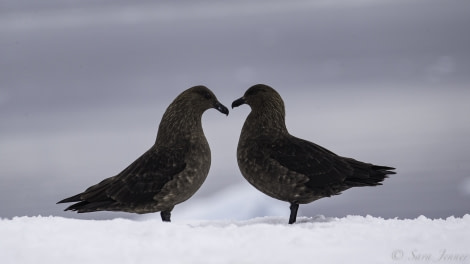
[[207, 95]]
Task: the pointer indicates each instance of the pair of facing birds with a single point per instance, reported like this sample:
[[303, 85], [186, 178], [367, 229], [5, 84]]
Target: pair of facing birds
[[273, 161]]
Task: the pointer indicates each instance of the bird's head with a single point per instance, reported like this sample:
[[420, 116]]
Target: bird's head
[[200, 98], [260, 95], [267, 110]]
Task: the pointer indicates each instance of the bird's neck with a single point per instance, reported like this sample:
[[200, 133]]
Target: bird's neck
[[267, 121], [177, 124]]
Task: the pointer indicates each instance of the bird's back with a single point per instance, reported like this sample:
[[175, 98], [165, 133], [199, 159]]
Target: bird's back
[[295, 170]]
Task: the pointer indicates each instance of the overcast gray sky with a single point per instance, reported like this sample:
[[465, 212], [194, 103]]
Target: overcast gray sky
[[83, 86]]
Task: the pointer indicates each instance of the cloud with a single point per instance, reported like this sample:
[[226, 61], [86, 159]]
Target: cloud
[[441, 68], [465, 186], [4, 97], [96, 76], [86, 16]]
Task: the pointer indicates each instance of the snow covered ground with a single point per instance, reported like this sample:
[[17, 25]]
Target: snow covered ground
[[352, 239], [225, 228]]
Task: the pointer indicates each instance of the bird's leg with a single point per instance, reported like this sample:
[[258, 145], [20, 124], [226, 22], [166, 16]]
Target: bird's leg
[[293, 212], [166, 215]]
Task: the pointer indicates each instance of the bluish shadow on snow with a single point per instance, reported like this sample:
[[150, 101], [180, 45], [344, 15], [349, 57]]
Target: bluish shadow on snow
[[237, 202], [267, 220]]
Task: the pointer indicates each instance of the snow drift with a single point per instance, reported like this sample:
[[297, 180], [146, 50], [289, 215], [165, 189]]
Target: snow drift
[[352, 239]]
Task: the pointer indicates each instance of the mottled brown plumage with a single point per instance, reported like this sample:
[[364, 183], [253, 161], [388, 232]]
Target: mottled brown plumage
[[289, 168], [169, 173]]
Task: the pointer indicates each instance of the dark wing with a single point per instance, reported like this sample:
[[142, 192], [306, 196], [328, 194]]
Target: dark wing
[[135, 185], [321, 166]]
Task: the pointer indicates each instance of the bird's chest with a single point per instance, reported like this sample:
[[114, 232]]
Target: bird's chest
[[254, 160], [199, 156], [185, 184], [198, 161]]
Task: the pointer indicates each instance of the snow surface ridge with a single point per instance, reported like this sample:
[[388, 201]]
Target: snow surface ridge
[[318, 239]]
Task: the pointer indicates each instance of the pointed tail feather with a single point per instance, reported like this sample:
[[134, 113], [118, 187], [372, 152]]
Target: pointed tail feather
[[86, 207], [366, 174], [75, 198]]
